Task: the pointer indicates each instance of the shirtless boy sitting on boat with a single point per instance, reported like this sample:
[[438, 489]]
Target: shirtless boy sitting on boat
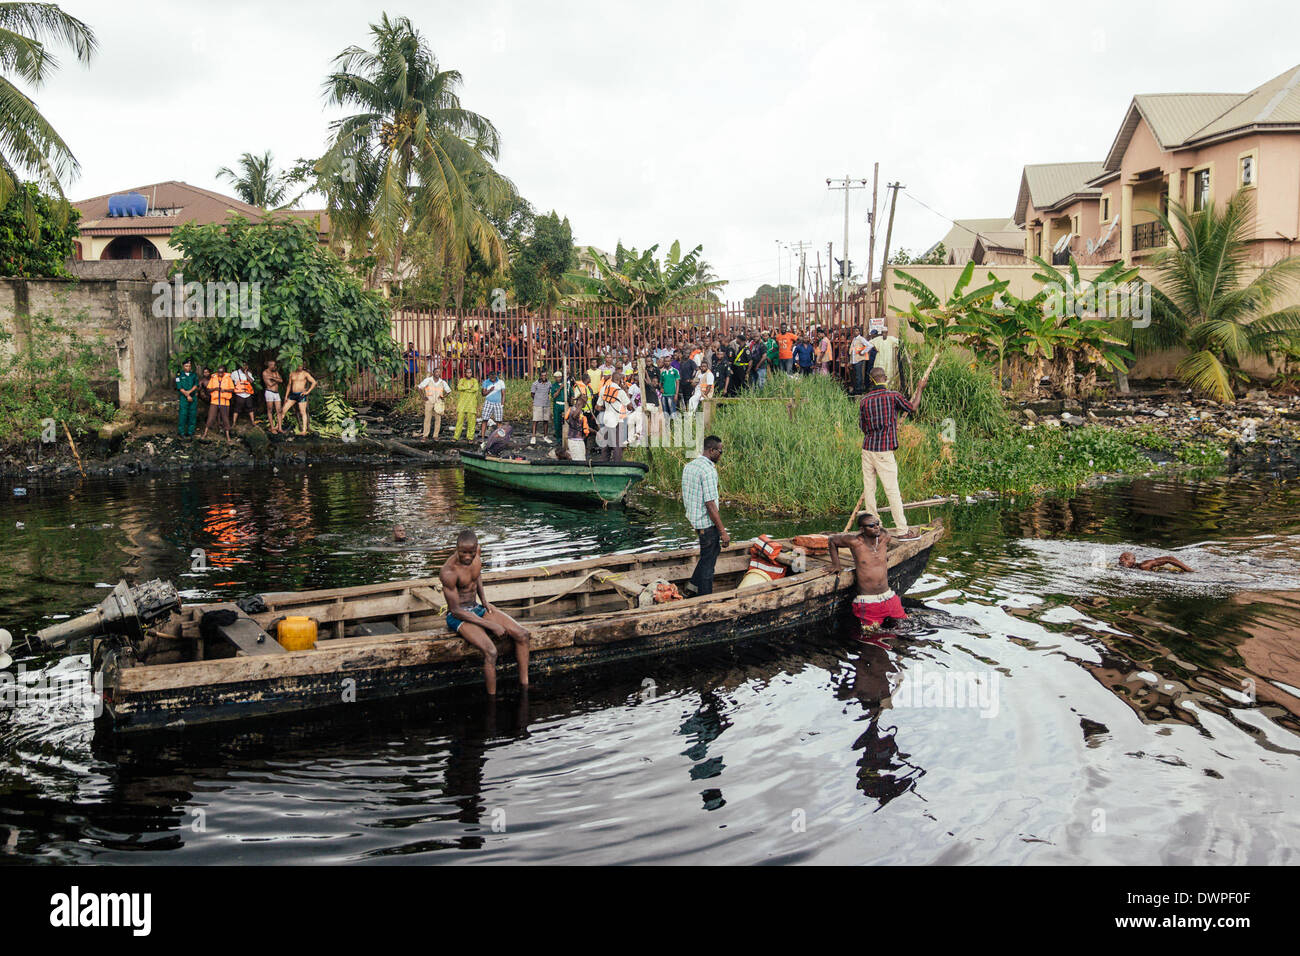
[[471, 616], [1129, 560], [875, 602]]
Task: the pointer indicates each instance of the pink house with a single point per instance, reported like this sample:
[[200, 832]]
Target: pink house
[[1057, 208], [1198, 149]]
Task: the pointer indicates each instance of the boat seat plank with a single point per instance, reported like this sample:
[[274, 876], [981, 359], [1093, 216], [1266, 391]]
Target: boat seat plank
[[247, 635]]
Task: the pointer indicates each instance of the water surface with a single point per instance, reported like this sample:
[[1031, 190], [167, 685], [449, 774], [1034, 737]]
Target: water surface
[[1041, 706]]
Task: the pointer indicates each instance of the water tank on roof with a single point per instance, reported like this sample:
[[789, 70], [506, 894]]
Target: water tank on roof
[[128, 204]]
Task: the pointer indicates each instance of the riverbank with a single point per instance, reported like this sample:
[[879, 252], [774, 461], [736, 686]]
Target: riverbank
[[804, 458], [800, 456]]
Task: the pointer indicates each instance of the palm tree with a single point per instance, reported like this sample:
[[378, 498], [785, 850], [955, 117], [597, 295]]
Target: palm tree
[[29, 145], [411, 157], [257, 183], [1206, 298]]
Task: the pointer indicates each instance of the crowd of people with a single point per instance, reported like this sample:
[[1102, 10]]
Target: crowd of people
[[227, 395], [615, 394], [513, 352]]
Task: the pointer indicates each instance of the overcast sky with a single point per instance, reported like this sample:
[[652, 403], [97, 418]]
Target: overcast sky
[[712, 123]]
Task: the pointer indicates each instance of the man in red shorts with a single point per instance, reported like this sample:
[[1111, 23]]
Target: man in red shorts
[[875, 602]]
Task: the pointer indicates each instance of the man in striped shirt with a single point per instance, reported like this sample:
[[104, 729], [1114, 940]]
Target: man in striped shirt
[[878, 419]]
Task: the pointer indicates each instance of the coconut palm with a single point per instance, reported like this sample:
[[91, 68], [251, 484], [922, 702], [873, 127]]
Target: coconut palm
[[29, 145], [411, 157], [257, 183], [1206, 295]]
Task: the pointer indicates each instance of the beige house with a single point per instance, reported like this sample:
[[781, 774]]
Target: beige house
[[104, 233], [587, 256], [1057, 208], [962, 240], [1198, 149]]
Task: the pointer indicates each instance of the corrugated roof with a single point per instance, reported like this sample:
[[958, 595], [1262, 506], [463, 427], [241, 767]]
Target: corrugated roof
[[194, 204], [1048, 184], [1184, 119], [1276, 103], [959, 242]]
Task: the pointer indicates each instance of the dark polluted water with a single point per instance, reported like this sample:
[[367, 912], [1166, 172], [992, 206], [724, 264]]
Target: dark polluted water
[[1041, 705]]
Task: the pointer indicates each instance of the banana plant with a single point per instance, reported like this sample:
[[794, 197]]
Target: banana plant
[[935, 318]]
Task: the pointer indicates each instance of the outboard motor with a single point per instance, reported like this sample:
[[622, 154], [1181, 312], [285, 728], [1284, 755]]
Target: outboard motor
[[126, 612]]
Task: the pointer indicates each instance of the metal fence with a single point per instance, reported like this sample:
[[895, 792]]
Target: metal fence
[[516, 343]]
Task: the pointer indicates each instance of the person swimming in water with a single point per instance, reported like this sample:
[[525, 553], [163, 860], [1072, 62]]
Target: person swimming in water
[[1129, 560]]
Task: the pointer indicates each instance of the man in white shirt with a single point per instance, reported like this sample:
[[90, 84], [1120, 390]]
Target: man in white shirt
[[541, 393], [612, 437], [494, 390], [435, 390], [703, 387], [859, 350], [886, 356]]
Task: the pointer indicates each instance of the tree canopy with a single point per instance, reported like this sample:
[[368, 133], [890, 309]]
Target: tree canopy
[[36, 234], [309, 307]]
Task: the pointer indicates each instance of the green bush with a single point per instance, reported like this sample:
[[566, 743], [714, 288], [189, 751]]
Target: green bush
[[51, 374]]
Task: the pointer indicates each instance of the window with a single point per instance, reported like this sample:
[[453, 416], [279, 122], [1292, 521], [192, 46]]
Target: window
[[1247, 170], [1200, 190], [1105, 208], [1038, 243]]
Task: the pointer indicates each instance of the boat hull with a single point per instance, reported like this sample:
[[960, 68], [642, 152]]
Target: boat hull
[[349, 671], [594, 482]]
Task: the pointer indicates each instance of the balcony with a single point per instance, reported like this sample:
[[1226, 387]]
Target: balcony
[[1149, 235]]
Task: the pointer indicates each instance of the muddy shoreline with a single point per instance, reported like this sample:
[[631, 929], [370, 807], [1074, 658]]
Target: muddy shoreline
[[1261, 431]]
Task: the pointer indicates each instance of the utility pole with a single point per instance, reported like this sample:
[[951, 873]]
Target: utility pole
[[889, 231], [800, 247], [871, 242], [846, 184]]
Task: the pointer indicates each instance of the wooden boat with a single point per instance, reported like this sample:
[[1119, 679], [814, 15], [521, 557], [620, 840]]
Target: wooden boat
[[391, 640], [594, 481]]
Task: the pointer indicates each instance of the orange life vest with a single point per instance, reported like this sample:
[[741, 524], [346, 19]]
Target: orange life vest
[[762, 557], [219, 389]]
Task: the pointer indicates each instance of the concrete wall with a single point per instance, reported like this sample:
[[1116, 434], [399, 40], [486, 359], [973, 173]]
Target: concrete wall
[[136, 342], [942, 279]]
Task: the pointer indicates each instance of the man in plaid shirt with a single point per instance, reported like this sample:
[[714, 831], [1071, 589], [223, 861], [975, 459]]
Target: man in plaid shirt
[[700, 497], [878, 419]]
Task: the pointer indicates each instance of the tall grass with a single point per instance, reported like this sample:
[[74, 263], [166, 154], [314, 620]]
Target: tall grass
[[802, 455]]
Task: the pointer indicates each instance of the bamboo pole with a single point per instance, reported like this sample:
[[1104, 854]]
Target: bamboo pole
[[73, 446]]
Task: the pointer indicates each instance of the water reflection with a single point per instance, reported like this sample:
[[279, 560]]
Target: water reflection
[[1169, 704]]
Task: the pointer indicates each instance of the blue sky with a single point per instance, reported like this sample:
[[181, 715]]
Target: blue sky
[[713, 123]]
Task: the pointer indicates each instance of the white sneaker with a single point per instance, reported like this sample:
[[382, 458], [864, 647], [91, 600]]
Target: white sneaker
[[532, 440], [547, 440]]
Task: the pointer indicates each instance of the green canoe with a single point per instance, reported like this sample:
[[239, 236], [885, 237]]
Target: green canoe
[[593, 481]]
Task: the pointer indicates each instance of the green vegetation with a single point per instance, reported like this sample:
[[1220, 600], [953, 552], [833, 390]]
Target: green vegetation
[[257, 183], [1206, 303], [29, 145], [52, 373], [36, 234], [1053, 326], [410, 159], [538, 270], [639, 282], [307, 305], [804, 456]]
